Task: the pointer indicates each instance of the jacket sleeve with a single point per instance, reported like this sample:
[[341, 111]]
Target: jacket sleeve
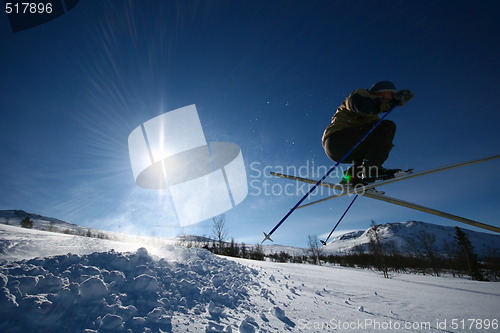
[[363, 103]]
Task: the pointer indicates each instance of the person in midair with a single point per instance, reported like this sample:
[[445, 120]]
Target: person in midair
[[352, 120]]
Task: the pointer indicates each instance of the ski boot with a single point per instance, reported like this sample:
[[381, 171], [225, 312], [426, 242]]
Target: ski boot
[[353, 176], [374, 172]]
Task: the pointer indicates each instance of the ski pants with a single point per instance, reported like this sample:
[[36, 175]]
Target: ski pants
[[374, 149]]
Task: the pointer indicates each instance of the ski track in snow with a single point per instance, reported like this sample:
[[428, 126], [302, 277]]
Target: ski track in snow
[[109, 286]]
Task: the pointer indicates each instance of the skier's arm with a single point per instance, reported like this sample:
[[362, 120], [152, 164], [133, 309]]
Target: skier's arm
[[365, 104]]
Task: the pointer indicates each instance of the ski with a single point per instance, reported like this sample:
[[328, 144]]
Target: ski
[[432, 211], [344, 190]]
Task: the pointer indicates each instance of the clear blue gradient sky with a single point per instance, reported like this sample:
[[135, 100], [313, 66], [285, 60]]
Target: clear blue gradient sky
[[267, 75]]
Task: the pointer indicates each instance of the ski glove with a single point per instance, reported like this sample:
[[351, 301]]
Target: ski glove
[[402, 97]]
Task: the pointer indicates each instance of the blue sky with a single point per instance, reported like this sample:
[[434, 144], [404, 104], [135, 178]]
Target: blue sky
[[265, 75]]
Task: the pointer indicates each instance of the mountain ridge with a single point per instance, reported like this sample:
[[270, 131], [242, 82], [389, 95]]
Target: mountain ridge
[[410, 236]]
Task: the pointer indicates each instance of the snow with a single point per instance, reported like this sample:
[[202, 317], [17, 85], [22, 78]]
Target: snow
[[77, 284]]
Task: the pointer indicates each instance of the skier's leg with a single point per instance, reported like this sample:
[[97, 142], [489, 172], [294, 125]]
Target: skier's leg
[[371, 153], [379, 143], [378, 147], [375, 148], [339, 144]]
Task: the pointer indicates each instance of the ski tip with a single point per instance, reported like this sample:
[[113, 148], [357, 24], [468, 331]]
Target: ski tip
[[374, 191], [266, 237], [403, 173]]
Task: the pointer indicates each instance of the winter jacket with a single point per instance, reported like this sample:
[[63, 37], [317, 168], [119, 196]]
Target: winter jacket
[[358, 109]]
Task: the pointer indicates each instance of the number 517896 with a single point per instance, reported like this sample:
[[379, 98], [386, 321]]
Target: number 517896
[[28, 8]]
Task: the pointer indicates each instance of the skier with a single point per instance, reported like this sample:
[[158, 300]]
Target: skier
[[352, 120]]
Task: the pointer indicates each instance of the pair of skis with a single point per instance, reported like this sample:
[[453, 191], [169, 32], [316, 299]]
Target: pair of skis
[[370, 192]]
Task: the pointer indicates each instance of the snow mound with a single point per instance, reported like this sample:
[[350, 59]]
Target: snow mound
[[119, 292]]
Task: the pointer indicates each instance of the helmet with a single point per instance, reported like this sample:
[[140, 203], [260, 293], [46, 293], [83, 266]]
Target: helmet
[[383, 86]]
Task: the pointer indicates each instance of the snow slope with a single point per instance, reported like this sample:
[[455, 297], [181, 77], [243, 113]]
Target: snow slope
[[169, 288]]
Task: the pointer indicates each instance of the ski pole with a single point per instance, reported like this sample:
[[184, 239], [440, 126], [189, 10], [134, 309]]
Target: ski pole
[[268, 236], [345, 212]]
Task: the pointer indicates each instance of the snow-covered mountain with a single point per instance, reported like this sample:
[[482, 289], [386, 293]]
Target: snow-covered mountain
[[14, 217], [44, 223], [409, 237]]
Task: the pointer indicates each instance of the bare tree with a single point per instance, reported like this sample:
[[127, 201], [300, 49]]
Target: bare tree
[[427, 243], [377, 249], [219, 230], [315, 249]]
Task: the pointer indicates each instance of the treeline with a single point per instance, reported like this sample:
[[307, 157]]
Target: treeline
[[488, 269], [231, 249], [420, 257], [242, 250]]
